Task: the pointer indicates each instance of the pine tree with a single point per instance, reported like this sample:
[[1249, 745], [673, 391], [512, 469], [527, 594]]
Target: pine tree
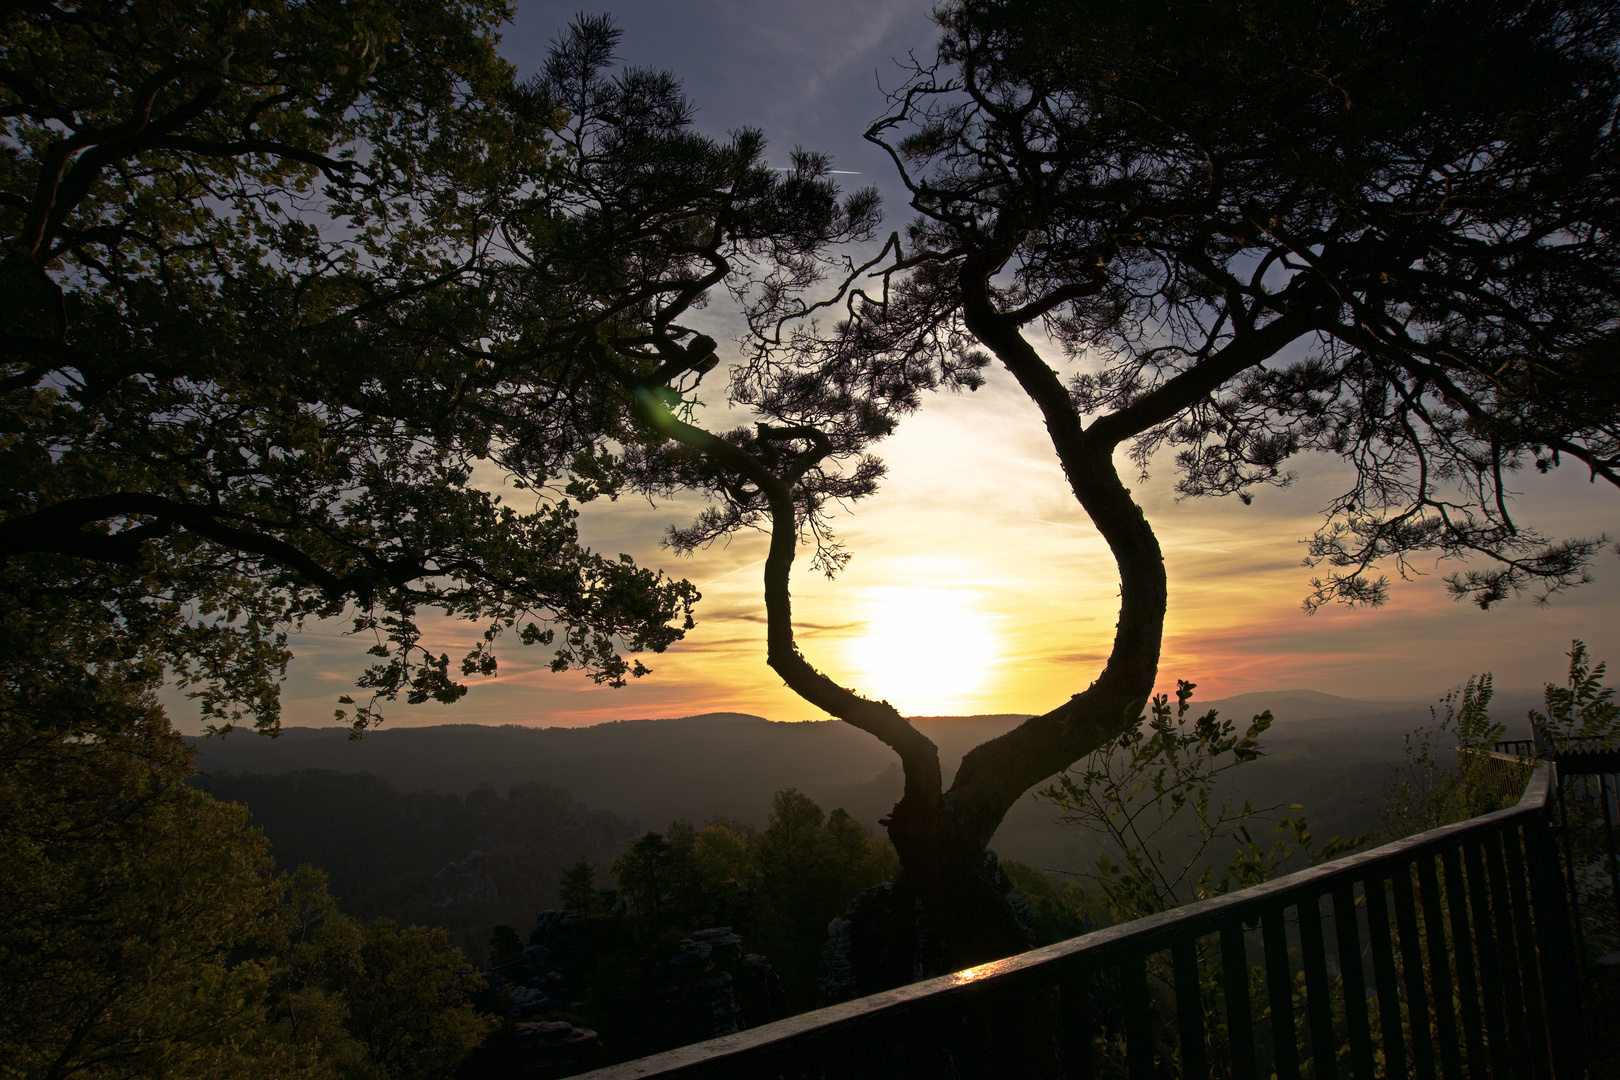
[[578, 891]]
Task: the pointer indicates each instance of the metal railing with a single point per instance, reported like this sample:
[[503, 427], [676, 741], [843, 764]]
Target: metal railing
[[1447, 954]]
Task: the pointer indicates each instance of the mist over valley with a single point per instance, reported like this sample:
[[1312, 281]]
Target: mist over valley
[[387, 813]]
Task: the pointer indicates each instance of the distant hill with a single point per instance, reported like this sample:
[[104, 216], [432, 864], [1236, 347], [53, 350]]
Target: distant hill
[[1305, 706], [461, 861], [697, 767], [730, 764], [1292, 707]]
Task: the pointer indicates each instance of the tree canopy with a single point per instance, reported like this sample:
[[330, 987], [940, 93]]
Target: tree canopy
[[247, 371], [779, 887], [125, 893], [1260, 230]]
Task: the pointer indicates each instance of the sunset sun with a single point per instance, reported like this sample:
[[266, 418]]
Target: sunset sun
[[925, 649]]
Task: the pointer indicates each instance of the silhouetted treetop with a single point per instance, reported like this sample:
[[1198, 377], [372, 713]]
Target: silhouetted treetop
[[648, 222], [1262, 229]]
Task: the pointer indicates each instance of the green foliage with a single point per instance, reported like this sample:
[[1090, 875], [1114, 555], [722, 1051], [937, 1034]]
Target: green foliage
[[252, 378], [407, 1001], [779, 887], [1059, 909], [578, 890], [312, 944], [125, 895], [143, 932], [725, 860], [683, 875], [646, 873], [1583, 708], [808, 867], [1448, 774], [1158, 798], [373, 1002]]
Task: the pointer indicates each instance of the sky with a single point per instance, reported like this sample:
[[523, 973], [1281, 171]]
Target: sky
[[974, 544]]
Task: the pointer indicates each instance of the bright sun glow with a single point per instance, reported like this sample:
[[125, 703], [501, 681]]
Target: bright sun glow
[[925, 650]]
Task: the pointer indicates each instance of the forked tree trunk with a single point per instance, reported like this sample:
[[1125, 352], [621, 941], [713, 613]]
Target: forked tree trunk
[[941, 839], [942, 836]]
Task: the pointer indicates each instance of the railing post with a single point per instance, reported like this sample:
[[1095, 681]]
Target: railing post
[[1462, 935], [1189, 1010], [1417, 987], [1077, 1024], [1490, 971], [1138, 1019], [1518, 876], [1280, 991], [1560, 971], [1024, 1033], [1358, 1027], [1384, 979], [1235, 988], [1507, 954], [925, 1043], [1318, 1002]]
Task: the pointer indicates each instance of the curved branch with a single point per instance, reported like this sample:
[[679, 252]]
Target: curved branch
[[1205, 377], [57, 529], [996, 774], [919, 757], [1605, 468]]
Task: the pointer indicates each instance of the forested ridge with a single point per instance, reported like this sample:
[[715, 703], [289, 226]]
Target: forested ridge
[[1321, 753], [382, 839], [381, 849]]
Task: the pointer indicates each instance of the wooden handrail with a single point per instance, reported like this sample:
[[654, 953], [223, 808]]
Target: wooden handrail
[[798, 1036]]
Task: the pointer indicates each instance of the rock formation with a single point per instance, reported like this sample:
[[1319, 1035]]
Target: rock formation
[[699, 988], [884, 939], [707, 989], [463, 881]]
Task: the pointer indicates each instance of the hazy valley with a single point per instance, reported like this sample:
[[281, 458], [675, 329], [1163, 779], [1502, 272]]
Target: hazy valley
[[385, 814]]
